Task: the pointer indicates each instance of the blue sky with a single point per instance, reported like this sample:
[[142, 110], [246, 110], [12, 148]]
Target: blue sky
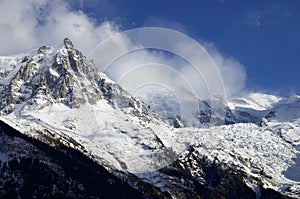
[[263, 35]]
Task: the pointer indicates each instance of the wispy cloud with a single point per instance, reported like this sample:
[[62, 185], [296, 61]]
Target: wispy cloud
[[24, 26], [39, 22], [161, 21], [273, 15], [232, 71]]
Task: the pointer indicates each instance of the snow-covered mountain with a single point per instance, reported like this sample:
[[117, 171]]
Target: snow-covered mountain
[[54, 97], [251, 108]]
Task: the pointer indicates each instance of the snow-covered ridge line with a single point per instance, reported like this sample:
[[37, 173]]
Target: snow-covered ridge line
[[57, 96]]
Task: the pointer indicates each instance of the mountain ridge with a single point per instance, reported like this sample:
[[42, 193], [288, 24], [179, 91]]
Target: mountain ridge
[[56, 96]]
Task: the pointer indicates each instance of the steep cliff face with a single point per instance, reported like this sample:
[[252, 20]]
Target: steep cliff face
[[59, 74], [51, 74]]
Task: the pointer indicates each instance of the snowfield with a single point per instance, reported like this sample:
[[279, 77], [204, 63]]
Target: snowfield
[[128, 144]]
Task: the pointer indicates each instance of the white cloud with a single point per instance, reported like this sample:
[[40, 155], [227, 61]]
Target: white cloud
[[135, 68], [233, 72], [17, 25], [24, 26]]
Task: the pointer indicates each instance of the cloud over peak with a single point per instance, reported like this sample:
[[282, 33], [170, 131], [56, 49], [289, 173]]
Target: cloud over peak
[[24, 26]]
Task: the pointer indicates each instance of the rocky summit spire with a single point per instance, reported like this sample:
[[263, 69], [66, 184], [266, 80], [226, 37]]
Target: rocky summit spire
[[68, 44]]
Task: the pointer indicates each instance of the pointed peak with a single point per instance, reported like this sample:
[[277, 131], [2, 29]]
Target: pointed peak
[[43, 49], [68, 43]]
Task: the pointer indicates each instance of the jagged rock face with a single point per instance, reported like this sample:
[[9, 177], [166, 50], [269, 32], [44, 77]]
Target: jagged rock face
[[57, 75], [52, 75], [63, 75], [214, 179]]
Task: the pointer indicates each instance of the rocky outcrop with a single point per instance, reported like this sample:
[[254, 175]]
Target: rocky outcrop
[[59, 75]]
